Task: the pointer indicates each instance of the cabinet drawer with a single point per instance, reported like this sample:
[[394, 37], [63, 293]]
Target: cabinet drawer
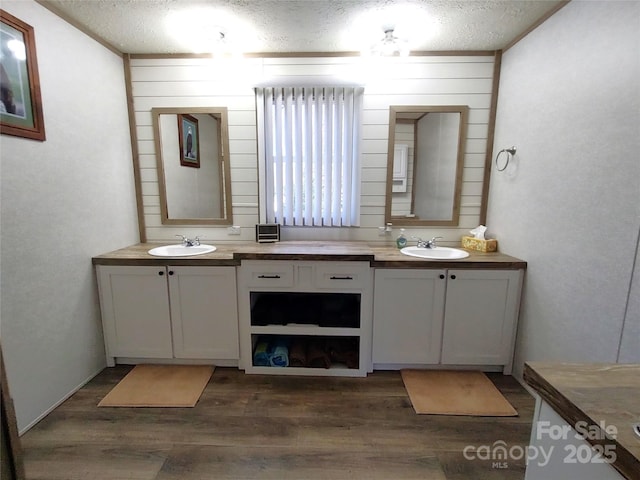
[[346, 275], [272, 274]]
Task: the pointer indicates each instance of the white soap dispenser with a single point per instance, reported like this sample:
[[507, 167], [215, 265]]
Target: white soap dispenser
[[401, 241]]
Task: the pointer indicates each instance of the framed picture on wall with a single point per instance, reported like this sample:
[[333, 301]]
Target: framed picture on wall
[[189, 140], [21, 103]]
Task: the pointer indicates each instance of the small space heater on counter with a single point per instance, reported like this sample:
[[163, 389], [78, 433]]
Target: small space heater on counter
[[267, 232]]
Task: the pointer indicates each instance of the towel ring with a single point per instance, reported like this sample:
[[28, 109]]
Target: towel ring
[[510, 152]]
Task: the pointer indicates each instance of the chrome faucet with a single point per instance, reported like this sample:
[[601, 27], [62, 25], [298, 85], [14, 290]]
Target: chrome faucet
[[426, 243], [187, 242]]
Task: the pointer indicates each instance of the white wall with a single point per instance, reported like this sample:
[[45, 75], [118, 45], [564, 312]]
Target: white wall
[[569, 203], [428, 80], [63, 201]]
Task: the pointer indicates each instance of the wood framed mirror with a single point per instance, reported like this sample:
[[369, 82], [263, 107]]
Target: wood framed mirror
[[424, 167], [192, 154]]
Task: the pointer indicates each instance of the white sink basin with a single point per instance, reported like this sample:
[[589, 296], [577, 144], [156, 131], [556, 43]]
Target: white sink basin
[[181, 250], [437, 253]]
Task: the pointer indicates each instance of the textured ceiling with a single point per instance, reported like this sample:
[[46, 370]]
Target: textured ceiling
[[276, 26]]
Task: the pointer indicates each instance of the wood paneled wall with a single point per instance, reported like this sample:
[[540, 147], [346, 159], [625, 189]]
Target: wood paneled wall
[[415, 80]]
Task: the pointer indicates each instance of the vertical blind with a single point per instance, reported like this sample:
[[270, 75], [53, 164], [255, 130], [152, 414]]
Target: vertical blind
[[310, 146]]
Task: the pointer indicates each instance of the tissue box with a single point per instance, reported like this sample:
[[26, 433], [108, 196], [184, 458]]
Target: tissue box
[[479, 245]]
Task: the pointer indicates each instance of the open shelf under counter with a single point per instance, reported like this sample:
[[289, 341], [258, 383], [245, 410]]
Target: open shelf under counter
[[319, 353], [304, 301]]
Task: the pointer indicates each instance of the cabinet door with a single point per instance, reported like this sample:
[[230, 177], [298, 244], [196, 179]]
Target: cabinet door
[[204, 312], [407, 316], [135, 311], [480, 316]]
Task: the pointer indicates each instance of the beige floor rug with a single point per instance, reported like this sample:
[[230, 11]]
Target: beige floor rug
[[455, 393], [160, 386]]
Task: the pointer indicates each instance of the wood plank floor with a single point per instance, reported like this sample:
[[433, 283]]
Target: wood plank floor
[[270, 427]]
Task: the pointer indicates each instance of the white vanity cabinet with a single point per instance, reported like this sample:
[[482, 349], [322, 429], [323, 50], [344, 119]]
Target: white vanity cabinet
[[306, 302], [169, 312], [204, 312], [480, 317], [443, 317], [135, 312], [407, 316]]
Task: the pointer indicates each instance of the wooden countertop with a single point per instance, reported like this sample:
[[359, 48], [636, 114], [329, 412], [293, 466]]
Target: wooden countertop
[[349, 251], [139, 255], [378, 256], [390, 257], [600, 394]]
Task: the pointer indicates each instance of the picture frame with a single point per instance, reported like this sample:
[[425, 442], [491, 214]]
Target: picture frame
[[21, 108], [189, 140]]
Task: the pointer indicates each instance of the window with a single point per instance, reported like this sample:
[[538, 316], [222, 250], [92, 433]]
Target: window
[[309, 146]]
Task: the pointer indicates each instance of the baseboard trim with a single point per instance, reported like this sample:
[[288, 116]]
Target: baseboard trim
[[175, 361], [59, 402]]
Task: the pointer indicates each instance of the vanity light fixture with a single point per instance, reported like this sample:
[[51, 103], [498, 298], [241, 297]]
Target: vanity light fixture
[[219, 45], [390, 45], [207, 30]]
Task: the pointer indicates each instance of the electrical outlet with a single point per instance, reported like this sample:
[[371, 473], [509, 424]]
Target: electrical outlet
[[233, 230]]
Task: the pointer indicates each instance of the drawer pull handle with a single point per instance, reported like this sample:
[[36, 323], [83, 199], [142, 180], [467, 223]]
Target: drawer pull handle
[[340, 278], [268, 276]]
